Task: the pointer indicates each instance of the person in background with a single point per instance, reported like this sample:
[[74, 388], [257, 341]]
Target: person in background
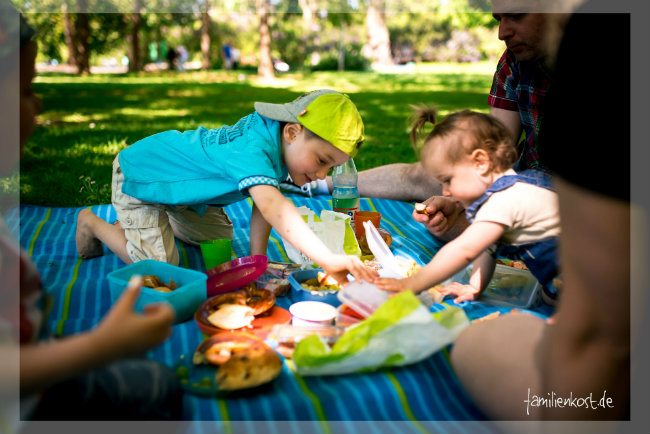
[[182, 58], [508, 361], [513, 215], [175, 183], [96, 375]]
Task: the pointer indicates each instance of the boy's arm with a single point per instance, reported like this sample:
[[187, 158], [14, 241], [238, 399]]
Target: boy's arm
[[287, 221], [260, 231], [451, 258]]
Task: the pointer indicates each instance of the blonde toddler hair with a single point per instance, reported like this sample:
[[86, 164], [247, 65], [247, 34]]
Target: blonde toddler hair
[[477, 131]]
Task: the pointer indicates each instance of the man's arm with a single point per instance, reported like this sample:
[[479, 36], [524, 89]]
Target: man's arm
[[398, 181], [510, 119]]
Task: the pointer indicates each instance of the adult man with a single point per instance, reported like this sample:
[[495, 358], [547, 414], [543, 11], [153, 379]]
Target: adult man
[[516, 98]]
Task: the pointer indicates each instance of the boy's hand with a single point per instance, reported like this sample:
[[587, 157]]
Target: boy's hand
[[462, 292], [128, 333], [341, 265]]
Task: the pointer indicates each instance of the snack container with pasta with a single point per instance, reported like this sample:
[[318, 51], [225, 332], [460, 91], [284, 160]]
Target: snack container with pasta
[[301, 293], [185, 299]]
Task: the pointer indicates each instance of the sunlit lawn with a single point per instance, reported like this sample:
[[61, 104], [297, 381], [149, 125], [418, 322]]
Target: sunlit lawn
[[87, 120]]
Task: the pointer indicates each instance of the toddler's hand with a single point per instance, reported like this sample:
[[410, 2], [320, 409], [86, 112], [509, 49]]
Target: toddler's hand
[[341, 265], [462, 292], [392, 285], [440, 216], [129, 333]]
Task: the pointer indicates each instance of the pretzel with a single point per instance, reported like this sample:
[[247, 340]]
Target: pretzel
[[260, 300]]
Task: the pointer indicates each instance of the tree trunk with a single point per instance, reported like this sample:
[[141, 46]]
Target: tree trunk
[[81, 33], [265, 64], [341, 59], [68, 33], [206, 64], [378, 36], [308, 8], [135, 60]]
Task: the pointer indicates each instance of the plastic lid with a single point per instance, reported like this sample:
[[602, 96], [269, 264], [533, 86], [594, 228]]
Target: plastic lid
[[313, 310], [235, 274]]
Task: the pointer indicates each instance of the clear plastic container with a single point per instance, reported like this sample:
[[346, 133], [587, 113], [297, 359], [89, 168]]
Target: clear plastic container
[[509, 287], [191, 291]]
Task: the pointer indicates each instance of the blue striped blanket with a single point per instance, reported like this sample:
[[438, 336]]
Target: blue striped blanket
[[424, 397]]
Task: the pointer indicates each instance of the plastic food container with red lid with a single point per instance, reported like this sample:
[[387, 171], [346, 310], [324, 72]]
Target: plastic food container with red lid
[[364, 297]]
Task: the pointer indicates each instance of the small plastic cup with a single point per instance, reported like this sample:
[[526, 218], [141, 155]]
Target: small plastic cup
[[215, 252], [362, 216]]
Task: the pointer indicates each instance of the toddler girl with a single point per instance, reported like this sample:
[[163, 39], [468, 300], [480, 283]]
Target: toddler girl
[[511, 214]]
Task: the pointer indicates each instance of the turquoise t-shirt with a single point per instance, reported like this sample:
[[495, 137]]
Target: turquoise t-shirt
[[204, 167]]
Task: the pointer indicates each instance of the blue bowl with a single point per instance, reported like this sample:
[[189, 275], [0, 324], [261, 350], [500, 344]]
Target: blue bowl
[[185, 300], [298, 293]]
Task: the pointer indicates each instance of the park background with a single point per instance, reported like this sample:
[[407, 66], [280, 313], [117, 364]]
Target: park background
[[106, 80]]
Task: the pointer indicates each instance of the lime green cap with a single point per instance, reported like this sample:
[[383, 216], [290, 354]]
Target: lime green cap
[[328, 114]]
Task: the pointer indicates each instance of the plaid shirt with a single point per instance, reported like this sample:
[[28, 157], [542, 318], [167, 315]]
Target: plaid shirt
[[522, 87]]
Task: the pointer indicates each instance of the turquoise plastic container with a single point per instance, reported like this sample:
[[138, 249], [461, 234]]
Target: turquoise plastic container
[[191, 291]]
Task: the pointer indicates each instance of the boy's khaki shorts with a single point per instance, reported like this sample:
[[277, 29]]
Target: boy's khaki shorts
[[150, 228]]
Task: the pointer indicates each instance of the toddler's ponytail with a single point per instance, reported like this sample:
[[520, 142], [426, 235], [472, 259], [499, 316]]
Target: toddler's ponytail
[[421, 115]]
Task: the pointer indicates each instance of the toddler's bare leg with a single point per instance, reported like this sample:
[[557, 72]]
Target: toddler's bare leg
[[92, 231]]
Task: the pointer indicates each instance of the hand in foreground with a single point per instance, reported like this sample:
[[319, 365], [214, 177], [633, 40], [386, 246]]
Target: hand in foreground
[[392, 285], [129, 333], [340, 265], [462, 292], [441, 215]]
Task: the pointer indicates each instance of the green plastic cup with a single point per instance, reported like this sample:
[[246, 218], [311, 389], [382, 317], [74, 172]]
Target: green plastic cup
[[215, 252]]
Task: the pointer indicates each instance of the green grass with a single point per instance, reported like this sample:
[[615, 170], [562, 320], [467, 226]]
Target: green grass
[[87, 120]]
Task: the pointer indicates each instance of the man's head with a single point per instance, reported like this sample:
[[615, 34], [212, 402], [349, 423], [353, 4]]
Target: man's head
[[531, 29]]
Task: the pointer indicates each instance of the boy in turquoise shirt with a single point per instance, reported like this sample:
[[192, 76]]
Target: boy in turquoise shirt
[[176, 184]]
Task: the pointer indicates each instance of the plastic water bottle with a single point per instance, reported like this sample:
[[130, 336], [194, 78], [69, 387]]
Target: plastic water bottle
[[345, 196]]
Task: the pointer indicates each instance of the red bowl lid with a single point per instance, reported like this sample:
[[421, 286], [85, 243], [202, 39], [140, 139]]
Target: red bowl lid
[[235, 274]]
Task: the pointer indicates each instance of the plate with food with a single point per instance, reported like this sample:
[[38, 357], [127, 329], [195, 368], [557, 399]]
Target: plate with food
[[314, 285], [227, 363], [250, 309]]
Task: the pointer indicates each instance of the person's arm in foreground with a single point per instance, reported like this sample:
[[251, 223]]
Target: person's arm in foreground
[[451, 258], [483, 271], [287, 221], [590, 351], [122, 333]]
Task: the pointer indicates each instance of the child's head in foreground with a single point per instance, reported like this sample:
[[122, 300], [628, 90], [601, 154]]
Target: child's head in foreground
[[320, 130], [464, 151], [17, 59]]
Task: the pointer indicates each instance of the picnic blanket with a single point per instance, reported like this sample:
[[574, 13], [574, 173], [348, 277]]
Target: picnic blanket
[[423, 397]]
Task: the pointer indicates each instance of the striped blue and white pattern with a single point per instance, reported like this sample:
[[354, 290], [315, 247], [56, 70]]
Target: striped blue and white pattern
[[424, 397]]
